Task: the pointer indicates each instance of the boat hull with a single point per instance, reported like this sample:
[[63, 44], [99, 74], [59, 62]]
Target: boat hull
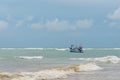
[[76, 51]]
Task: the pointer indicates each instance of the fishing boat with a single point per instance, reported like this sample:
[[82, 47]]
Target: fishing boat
[[76, 49]]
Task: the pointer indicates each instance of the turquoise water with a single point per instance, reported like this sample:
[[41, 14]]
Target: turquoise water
[[36, 59], [51, 56]]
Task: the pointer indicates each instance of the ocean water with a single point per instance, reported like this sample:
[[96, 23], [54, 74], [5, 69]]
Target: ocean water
[[59, 64]]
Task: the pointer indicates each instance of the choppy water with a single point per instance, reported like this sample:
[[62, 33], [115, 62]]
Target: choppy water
[[59, 63]]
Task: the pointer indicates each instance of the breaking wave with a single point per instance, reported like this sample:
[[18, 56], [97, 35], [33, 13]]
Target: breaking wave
[[101, 48], [110, 59], [7, 48], [34, 48], [51, 74], [30, 57], [61, 49]]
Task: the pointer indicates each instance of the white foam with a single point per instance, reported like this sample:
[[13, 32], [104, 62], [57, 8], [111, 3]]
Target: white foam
[[82, 67], [116, 48], [89, 67], [34, 48], [101, 48], [56, 73], [111, 59], [89, 48], [86, 59], [61, 49], [31, 57], [8, 48]]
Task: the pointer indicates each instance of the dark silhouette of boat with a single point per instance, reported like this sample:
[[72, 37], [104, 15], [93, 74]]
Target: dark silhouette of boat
[[78, 49]]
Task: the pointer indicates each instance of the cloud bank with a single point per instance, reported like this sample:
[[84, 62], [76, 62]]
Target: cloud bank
[[58, 25], [3, 24], [115, 14], [114, 18]]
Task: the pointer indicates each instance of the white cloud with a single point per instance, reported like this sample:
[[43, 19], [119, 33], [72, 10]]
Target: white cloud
[[84, 23], [62, 25], [30, 18], [59, 25], [112, 24], [84, 2], [114, 18], [3, 24], [54, 25], [115, 15], [19, 23], [36, 26], [8, 17]]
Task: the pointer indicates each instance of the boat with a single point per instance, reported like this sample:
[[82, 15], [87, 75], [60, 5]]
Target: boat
[[76, 49]]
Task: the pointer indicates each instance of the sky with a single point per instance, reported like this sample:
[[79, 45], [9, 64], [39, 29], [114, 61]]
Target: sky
[[59, 23]]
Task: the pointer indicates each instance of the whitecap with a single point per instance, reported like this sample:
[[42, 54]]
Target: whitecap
[[30, 57], [50, 74], [34, 48], [110, 59], [61, 49], [8, 48], [90, 67]]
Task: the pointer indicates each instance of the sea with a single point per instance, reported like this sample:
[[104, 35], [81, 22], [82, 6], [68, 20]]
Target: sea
[[59, 64]]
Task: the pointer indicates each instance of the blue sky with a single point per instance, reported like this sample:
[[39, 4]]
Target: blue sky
[[59, 23]]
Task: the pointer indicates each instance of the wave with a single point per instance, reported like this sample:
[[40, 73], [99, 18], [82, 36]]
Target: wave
[[22, 48], [58, 49], [61, 49], [8, 48], [110, 59], [101, 48], [30, 57], [34, 48], [50, 74], [116, 48]]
